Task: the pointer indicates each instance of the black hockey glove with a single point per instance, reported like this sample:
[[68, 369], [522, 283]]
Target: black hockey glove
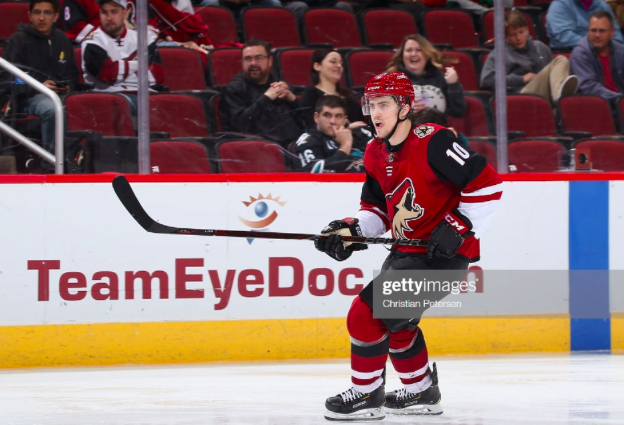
[[448, 236], [333, 245]]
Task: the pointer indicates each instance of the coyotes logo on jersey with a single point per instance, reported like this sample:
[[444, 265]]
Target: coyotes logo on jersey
[[405, 210]]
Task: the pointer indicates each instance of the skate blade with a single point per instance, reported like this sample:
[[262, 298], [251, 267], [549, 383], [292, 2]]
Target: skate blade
[[418, 410], [374, 414]]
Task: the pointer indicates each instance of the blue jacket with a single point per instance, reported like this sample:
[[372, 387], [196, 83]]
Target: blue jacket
[[567, 21], [584, 63]]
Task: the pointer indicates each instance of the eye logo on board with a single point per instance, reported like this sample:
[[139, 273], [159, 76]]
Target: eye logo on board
[[261, 211]]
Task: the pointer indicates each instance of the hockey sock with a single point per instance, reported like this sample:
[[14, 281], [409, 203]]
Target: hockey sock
[[369, 347], [408, 353]]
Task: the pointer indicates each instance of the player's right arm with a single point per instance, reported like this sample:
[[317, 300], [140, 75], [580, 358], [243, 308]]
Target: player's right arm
[[373, 214], [371, 221]]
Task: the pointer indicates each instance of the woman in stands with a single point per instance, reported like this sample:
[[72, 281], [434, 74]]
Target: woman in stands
[[424, 65], [326, 73]]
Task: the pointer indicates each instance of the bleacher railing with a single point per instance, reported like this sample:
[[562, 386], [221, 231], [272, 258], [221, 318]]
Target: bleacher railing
[[57, 159]]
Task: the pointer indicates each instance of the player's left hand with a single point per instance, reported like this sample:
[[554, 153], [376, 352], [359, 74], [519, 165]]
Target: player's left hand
[[447, 237]]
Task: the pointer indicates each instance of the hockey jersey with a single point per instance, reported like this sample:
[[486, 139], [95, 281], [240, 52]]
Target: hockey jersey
[[410, 188], [79, 18], [314, 146], [110, 64]]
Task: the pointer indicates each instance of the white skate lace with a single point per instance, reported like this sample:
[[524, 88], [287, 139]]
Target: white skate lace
[[403, 393], [350, 394]]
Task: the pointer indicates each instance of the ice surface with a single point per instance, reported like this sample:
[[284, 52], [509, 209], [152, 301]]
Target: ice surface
[[476, 390]]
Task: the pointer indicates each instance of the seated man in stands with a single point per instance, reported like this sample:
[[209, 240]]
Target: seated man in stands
[[109, 54], [598, 59], [255, 102], [530, 65], [46, 54], [332, 146], [567, 20]]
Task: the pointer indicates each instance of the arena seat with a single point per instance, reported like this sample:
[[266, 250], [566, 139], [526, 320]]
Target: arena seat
[[223, 65], [329, 25], [275, 25], [179, 157], [362, 65], [449, 26], [250, 156], [105, 113], [387, 26], [534, 155], [179, 115], [11, 15], [529, 114], [474, 123], [606, 153], [183, 69], [485, 148], [293, 65], [78, 59], [583, 112], [221, 25]]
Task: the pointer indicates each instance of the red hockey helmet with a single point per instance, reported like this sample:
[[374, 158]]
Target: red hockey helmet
[[395, 84]]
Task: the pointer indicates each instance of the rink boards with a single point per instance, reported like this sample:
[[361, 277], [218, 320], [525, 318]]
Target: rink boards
[[82, 284]]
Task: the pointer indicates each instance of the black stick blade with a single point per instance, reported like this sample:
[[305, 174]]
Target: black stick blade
[[129, 200]]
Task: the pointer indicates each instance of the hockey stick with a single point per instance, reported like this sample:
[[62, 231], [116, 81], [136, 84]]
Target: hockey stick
[[130, 201]]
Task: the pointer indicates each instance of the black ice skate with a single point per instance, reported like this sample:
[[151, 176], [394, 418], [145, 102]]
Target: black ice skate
[[353, 405], [427, 402]]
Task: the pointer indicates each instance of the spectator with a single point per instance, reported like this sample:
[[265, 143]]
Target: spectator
[[598, 60], [109, 54], [530, 65], [567, 21], [79, 18], [177, 25], [255, 102], [46, 54], [331, 145], [436, 89], [326, 72]]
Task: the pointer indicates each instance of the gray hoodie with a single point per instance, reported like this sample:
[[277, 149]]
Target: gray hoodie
[[533, 58]]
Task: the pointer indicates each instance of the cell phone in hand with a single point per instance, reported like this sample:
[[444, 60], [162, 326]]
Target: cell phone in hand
[[61, 84]]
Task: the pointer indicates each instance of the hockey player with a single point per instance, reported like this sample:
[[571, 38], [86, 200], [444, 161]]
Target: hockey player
[[422, 184]]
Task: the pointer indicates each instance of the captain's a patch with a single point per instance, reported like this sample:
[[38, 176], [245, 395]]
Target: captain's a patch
[[423, 130]]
